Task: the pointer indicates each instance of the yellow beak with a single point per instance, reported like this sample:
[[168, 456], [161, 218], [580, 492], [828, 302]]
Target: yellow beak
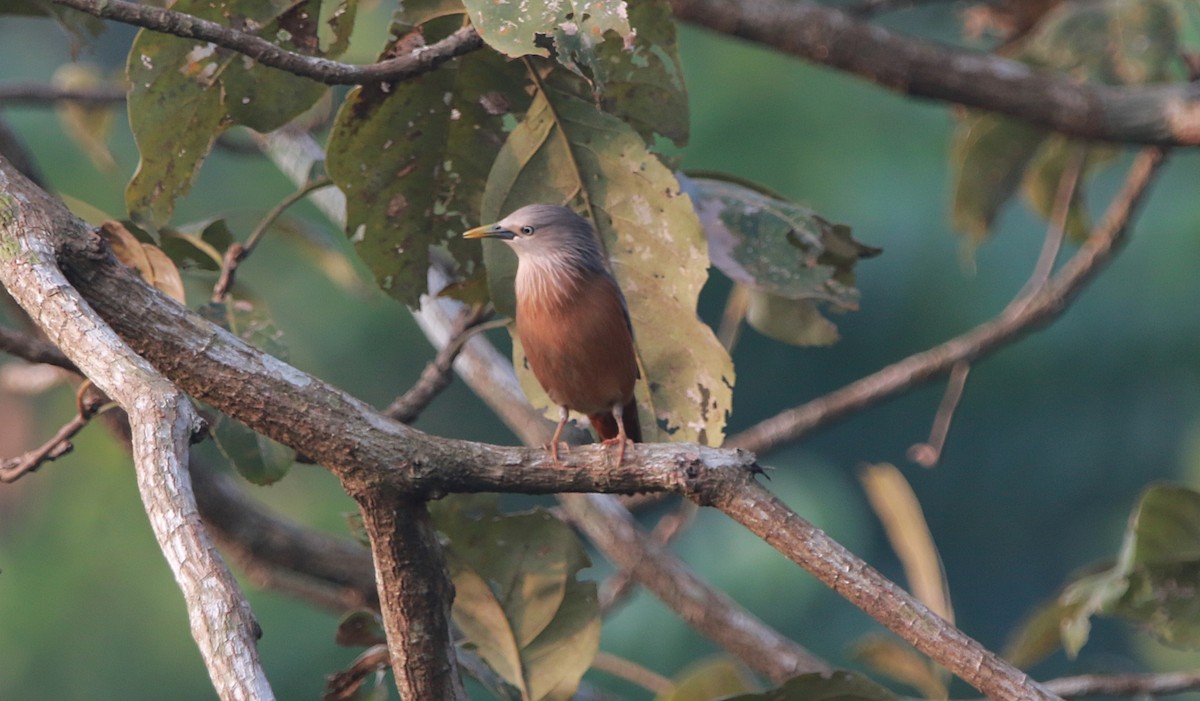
[[489, 231]]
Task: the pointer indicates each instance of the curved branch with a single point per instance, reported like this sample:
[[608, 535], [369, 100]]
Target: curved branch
[[323, 70], [1020, 318], [163, 423], [1157, 114]]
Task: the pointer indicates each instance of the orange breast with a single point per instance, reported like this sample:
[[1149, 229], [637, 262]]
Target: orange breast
[[579, 346]]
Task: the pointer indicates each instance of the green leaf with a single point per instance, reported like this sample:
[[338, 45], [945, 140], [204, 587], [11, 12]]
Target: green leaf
[[715, 678], [1115, 42], [786, 255], [341, 24], [838, 686], [258, 458], [565, 151], [570, 30], [518, 601], [1152, 583], [413, 160], [988, 157], [184, 93], [1164, 556], [644, 83]]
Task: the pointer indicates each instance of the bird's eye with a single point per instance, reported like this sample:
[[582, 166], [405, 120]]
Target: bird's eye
[[527, 230]]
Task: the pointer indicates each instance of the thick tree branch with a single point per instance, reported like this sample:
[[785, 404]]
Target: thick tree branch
[[1157, 114], [323, 70], [416, 594], [1020, 318], [163, 422]]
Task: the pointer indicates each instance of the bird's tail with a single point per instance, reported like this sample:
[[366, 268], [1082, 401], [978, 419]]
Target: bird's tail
[[606, 424]]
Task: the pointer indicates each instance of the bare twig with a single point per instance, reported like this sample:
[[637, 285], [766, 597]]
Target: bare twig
[[1153, 114], [928, 453], [1013, 323], [1056, 230], [239, 252], [88, 402], [44, 93], [710, 611], [632, 672], [1135, 685], [438, 372], [33, 349], [323, 70]]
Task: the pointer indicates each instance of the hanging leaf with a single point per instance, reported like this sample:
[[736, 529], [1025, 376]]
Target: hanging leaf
[[644, 83], [838, 686], [898, 660], [1114, 42], [184, 93], [565, 151], [89, 125], [147, 259], [259, 459], [518, 601], [413, 159], [790, 258], [570, 30]]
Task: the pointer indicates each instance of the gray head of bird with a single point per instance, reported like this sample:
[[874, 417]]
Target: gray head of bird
[[547, 236]]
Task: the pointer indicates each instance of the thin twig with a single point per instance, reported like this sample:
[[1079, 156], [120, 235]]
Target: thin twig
[[928, 453], [1125, 684], [239, 252], [43, 93], [89, 401], [1013, 323], [33, 349], [1068, 185], [632, 672], [323, 70], [439, 372]]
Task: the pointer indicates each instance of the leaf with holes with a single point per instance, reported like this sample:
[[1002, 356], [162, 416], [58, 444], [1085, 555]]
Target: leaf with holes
[[183, 94], [790, 258], [566, 151], [413, 160], [570, 30]]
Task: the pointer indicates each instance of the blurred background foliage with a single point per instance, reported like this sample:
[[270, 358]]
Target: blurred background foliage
[[1053, 442]]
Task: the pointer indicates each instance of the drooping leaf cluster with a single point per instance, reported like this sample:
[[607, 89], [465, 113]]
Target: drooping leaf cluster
[[1111, 42]]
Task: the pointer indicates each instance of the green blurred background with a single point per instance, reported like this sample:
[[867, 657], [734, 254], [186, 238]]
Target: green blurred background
[[1049, 450]]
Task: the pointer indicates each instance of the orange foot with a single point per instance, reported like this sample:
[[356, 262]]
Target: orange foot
[[552, 448], [621, 441]]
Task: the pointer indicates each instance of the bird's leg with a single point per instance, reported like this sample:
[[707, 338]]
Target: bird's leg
[[618, 413], [562, 421]]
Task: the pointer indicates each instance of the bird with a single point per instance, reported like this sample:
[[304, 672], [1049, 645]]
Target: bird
[[572, 320]]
